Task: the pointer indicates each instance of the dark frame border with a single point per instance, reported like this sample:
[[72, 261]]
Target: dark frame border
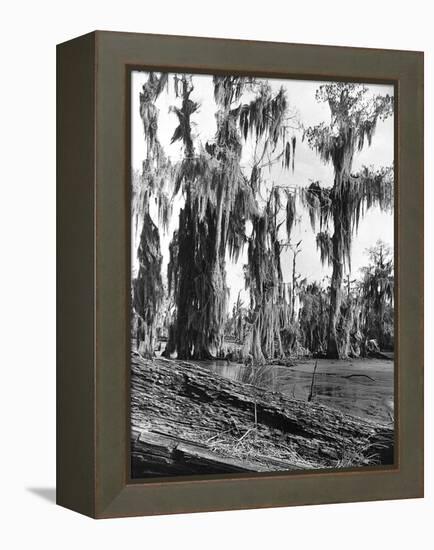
[[92, 462]]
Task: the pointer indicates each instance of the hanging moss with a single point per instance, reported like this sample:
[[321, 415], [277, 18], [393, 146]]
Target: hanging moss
[[147, 287], [218, 201], [353, 121], [325, 246], [313, 318], [290, 212], [377, 288], [271, 300], [318, 202]]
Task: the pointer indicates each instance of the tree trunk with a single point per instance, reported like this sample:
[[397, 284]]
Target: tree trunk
[[171, 342], [186, 277], [381, 324], [201, 291], [347, 323], [256, 346], [293, 289], [148, 287], [147, 342], [342, 172], [252, 348], [333, 351]]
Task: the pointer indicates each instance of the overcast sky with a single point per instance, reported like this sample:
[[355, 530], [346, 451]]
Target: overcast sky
[[308, 167]]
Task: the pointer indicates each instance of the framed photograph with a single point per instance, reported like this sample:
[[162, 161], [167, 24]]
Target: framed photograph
[[240, 274]]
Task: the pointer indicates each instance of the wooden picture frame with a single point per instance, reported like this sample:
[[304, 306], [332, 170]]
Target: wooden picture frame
[[93, 274]]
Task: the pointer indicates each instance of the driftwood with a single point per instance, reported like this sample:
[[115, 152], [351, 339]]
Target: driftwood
[[187, 420]]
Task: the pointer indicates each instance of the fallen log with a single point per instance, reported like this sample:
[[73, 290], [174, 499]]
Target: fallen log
[[186, 420], [156, 454]]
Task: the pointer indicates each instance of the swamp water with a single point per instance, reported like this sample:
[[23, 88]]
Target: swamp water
[[360, 387]]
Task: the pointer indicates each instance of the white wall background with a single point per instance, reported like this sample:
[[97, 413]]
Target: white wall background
[[29, 32]]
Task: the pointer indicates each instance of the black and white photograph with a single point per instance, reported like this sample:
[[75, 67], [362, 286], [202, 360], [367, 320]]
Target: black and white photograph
[[262, 274]]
